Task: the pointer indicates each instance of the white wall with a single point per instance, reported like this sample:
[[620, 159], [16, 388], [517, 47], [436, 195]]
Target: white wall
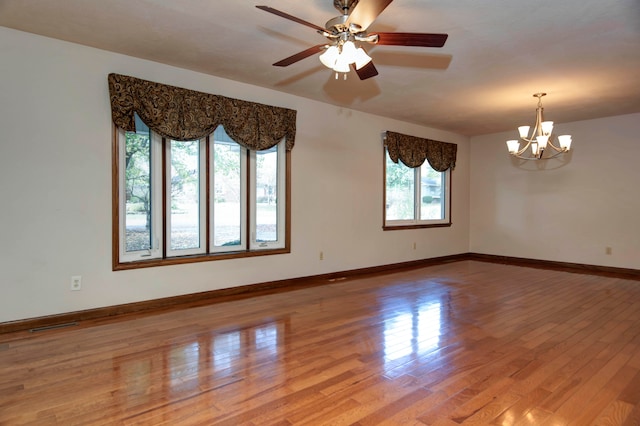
[[567, 211], [55, 186]]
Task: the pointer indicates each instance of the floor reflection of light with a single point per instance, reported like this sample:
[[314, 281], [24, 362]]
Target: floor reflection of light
[[267, 338], [226, 347], [429, 322], [137, 379], [183, 363], [415, 331], [398, 335]]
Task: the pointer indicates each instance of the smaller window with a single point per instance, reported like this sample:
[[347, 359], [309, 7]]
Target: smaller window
[[418, 197]]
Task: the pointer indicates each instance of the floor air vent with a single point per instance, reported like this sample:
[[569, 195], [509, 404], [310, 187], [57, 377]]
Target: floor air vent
[[52, 327]]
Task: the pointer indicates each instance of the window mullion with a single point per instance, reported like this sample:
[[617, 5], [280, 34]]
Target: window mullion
[[207, 197], [417, 202], [165, 237], [250, 197]]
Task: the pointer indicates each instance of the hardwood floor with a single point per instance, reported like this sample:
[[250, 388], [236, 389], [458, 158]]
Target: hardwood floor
[[460, 343]]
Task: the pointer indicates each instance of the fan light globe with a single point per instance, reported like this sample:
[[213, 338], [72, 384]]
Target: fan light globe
[[349, 52], [342, 64], [329, 57], [362, 58]]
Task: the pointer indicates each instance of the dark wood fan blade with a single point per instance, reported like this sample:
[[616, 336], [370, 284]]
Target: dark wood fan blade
[[366, 11], [412, 39], [290, 17], [367, 71], [300, 56]]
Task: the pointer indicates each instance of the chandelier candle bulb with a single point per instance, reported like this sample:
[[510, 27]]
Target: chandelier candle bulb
[[565, 142], [524, 131], [513, 146], [541, 139]]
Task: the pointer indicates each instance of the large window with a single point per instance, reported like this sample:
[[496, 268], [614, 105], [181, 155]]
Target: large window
[[184, 201], [415, 197]]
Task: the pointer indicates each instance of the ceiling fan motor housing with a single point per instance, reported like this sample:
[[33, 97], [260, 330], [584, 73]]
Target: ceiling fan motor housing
[[338, 25]]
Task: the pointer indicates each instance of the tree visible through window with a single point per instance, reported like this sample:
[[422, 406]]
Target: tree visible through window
[[138, 190]]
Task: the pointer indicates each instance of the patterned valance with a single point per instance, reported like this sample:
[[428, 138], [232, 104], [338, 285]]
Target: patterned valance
[[182, 114], [412, 151]]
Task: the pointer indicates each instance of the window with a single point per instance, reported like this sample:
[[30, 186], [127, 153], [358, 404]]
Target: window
[[185, 201], [415, 197]]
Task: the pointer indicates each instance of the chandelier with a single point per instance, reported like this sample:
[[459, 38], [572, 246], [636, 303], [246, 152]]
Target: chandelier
[[341, 55], [540, 140]]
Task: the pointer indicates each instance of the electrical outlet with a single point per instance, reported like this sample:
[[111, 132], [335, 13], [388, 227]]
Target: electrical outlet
[[414, 245], [608, 250], [76, 283], [321, 255]]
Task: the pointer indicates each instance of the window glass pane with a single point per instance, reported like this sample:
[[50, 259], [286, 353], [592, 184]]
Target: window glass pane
[[138, 189], [227, 193], [266, 196], [400, 192], [185, 195], [432, 191]]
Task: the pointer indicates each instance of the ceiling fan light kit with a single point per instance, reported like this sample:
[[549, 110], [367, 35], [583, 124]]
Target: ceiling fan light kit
[[344, 31], [339, 57], [540, 140]]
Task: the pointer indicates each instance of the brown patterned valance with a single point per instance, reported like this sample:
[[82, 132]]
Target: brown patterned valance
[[412, 151], [182, 114]]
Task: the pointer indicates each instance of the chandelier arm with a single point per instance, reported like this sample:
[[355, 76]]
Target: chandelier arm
[[538, 158], [524, 149], [555, 148]]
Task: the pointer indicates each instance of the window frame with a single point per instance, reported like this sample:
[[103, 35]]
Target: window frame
[[157, 256], [417, 223]]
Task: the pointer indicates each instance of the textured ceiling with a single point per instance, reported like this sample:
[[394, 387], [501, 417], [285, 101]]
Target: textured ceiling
[[584, 53]]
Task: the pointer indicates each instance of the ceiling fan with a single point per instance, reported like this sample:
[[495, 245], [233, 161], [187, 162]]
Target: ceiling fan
[[344, 31]]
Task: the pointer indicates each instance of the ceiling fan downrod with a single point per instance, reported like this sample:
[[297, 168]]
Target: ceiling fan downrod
[[344, 6]]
